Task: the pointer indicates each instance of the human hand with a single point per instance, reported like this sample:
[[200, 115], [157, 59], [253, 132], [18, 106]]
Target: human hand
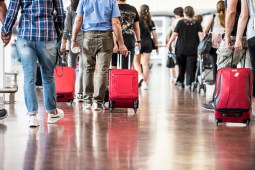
[[229, 43], [63, 47], [6, 38], [115, 49], [74, 44], [238, 44], [123, 50]]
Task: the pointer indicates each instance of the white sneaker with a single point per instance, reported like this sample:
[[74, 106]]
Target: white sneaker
[[33, 121], [144, 86], [52, 118]]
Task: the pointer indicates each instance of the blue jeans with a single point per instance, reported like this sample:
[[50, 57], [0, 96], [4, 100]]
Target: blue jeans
[[45, 52]]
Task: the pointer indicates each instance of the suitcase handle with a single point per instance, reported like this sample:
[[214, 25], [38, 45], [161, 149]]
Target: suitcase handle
[[119, 60]]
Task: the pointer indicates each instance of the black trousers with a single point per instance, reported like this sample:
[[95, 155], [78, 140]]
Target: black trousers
[[251, 46], [213, 58], [188, 65]]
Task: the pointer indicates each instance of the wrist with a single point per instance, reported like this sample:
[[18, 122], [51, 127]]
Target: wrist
[[138, 41], [73, 39]]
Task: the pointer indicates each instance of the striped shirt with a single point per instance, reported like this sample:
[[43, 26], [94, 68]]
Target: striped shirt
[[36, 20]]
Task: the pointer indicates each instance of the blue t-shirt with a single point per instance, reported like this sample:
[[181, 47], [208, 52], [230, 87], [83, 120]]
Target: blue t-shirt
[[98, 14]]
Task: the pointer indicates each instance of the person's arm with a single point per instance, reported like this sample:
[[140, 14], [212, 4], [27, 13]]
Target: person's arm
[[67, 30], [76, 28], [115, 47], [155, 38], [230, 21], [137, 33], [118, 34], [172, 39], [10, 20], [3, 11], [242, 22], [208, 25]]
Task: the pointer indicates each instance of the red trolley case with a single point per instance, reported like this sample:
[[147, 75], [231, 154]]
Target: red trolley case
[[123, 87], [233, 95], [65, 83]]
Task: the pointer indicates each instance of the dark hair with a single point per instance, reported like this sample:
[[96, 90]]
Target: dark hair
[[145, 16], [221, 11], [178, 11], [74, 4], [199, 18], [189, 11]]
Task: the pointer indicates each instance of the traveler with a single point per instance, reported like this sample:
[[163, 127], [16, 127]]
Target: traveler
[[66, 42], [189, 33], [225, 50], [37, 42], [247, 13], [147, 28], [97, 19], [130, 31], [216, 26], [174, 71]]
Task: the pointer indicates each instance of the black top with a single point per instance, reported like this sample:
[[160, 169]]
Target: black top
[[188, 38], [238, 12], [129, 15], [146, 31]]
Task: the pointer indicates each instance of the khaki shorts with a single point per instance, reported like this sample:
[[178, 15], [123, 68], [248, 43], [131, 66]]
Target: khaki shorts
[[224, 55]]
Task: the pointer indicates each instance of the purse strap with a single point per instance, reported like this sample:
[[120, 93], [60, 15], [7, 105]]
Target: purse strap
[[211, 29]]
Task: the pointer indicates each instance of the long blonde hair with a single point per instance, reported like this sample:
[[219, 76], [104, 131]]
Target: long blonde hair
[[221, 11]]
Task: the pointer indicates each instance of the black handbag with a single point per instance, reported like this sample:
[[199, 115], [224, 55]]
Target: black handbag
[[153, 44], [171, 58], [205, 45]]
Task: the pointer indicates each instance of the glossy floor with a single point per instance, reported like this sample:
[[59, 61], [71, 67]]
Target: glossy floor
[[169, 132]]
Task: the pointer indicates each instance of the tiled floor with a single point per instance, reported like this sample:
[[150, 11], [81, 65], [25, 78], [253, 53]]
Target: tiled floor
[[169, 132]]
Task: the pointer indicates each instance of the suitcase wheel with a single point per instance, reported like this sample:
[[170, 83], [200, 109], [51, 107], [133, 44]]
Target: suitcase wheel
[[111, 105], [217, 121], [247, 122], [136, 104], [71, 102]]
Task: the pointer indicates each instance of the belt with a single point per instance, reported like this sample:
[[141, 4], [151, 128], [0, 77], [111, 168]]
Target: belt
[[97, 31]]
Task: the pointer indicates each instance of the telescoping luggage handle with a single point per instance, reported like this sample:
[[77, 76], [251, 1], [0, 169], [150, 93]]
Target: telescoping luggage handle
[[119, 60]]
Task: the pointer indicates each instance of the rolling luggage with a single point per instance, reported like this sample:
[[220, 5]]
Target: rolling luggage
[[123, 87], [65, 83], [233, 95]]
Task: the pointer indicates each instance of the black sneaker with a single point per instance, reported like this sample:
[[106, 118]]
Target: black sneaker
[[3, 114], [208, 106]]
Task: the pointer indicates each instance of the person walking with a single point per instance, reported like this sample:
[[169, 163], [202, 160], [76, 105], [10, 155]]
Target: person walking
[[3, 112], [97, 19], [37, 42], [189, 33], [247, 15], [174, 70], [147, 28], [66, 42], [216, 25], [130, 31], [225, 50]]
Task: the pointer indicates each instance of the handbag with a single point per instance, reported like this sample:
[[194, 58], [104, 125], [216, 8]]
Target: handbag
[[171, 58], [153, 44], [205, 45]]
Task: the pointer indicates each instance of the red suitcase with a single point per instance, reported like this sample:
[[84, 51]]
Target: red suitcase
[[123, 88], [65, 83], [233, 95]]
